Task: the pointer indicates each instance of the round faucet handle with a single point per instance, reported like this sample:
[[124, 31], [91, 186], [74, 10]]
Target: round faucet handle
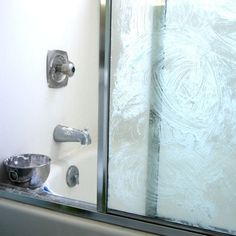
[[68, 69]]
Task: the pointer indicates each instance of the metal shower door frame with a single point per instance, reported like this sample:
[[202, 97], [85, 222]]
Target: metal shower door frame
[[151, 225]]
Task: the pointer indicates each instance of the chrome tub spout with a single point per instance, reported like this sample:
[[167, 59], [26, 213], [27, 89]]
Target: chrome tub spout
[[66, 134]]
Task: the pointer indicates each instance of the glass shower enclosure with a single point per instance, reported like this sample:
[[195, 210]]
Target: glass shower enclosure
[[172, 112]]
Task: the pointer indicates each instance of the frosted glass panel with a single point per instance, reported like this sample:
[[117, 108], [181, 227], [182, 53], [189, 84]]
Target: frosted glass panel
[[133, 24], [172, 134], [197, 158]]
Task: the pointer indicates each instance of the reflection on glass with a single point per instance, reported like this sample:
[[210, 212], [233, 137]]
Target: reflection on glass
[[173, 111]]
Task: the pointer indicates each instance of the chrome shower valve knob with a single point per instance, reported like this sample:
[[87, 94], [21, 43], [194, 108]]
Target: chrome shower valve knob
[[59, 69], [67, 69]]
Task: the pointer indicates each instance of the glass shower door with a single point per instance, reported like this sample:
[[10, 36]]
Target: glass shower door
[[172, 133]]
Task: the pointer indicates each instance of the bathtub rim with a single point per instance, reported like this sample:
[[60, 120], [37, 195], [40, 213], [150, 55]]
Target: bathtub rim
[[89, 211]]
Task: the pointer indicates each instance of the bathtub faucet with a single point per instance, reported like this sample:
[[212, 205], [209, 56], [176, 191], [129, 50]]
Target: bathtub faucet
[[66, 134]]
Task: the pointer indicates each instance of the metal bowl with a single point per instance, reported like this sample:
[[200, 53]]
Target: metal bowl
[[28, 170]]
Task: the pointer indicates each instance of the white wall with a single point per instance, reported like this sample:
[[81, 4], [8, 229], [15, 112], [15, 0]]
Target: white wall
[[29, 109]]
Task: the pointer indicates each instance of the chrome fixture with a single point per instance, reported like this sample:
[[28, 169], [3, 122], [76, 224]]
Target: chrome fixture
[[59, 69], [72, 176], [28, 170], [66, 134]]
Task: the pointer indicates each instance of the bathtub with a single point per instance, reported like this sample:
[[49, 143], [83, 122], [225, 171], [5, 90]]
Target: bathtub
[[86, 190], [21, 219]]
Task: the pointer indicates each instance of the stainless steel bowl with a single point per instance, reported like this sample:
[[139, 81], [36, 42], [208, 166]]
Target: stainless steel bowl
[[28, 170]]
